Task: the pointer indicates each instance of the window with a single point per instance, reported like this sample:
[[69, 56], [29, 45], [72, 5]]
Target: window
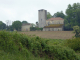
[[41, 19]]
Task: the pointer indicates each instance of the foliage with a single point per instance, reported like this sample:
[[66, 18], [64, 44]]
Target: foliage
[[35, 29], [2, 25], [10, 28], [48, 15], [22, 45], [67, 25], [73, 14], [23, 22], [59, 14], [73, 43], [17, 25], [76, 31]]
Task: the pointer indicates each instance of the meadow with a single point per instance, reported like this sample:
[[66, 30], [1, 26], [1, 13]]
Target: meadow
[[21, 46]]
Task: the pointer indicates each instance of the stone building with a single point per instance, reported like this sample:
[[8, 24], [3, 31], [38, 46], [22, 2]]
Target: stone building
[[52, 24], [26, 27]]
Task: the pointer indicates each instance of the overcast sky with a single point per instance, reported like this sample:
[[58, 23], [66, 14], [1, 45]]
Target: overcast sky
[[13, 10]]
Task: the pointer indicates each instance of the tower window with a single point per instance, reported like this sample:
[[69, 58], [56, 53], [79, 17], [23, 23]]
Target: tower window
[[41, 19]]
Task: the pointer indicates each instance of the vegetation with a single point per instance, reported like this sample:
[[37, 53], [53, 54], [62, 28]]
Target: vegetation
[[17, 25], [23, 22], [2, 25], [59, 14], [15, 46], [49, 15], [35, 29], [76, 31], [72, 16], [73, 43]]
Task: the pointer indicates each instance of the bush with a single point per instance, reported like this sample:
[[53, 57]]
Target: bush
[[10, 42], [76, 31], [73, 43], [6, 41]]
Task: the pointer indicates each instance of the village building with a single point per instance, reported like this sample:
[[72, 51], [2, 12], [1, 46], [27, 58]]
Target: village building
[[52, 24], [26, 27]]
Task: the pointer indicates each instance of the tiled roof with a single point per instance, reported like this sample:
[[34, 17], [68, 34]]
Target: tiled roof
[[56, 18], [54, 26]]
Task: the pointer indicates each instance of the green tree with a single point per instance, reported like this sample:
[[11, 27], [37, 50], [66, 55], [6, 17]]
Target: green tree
[[17, 25], [73, 14], [23, 22], [67, 25], [2, 25], [49, 15], [59, 14], [76, 30], [10, 28]]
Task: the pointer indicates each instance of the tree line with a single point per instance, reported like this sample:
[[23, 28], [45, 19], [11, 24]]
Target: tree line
[[15, 25]]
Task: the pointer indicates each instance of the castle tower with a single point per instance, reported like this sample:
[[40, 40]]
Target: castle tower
[[42, 16]]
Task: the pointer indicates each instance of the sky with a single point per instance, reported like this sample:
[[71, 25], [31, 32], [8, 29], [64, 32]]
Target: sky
[[12, 10]]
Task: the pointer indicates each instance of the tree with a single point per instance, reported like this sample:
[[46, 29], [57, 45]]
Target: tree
[[10, 28], [67, 25], [17, 25], [59, 14], [49, 15], [2, 25], [73, 14], [23, 22], [76, 30]]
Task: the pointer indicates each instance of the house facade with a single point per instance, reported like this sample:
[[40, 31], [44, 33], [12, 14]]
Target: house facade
[[26, 27]]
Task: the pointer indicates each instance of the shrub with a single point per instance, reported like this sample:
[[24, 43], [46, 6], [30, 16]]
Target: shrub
[[10, 41], [60, 53], [73, 43], [76, 31], [6, 41]]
